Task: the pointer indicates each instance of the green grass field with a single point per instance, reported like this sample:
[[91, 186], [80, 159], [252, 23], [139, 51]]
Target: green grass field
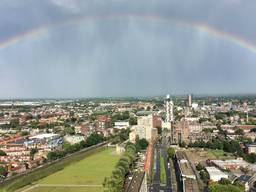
[[90, 171], [162, 170], [219, 154]]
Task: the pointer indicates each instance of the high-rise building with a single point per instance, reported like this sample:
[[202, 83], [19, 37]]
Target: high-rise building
[[189, 102], [169, 109], [146, 127]]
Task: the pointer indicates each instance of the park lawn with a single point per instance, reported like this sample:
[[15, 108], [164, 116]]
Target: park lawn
[[219, 154], [67, 189], [90, 171]]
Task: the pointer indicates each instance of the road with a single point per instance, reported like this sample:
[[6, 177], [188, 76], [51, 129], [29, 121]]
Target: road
[[161, 149], [168, 187], [156, 179]]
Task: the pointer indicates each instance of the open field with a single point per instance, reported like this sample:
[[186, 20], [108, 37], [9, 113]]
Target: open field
[[199, 155], [85, 175], [31, 176]]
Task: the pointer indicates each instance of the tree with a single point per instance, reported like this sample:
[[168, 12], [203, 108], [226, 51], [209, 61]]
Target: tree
[[2, 153], [171, 152], [239, 132], [240, 185], [69, 130], [133, 121], [224, 181], [223, 188], [182, 144], [33, 151], [3, 171], [159, 130], [24, 133], [143, 143], [14, 123], [204, 175], [199, 167]]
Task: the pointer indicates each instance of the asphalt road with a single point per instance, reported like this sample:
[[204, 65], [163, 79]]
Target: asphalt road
[[161, 149], [168, 187], [156, 180]]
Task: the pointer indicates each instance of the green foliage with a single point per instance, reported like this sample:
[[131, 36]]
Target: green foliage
[[69, 130], [224, 181], [2, 153], [201, 120], [24, 133], [204, 175], [239, 185], [182, 144], [3, 171], [224, 188], [40, 173], [14, 123], [141, 144], [230, 146], [171, 152], [199, 167], [93, 139], [120, 117], [159, 130], [207, 130], [133, 121], [115, 182], [239, 132], [33, 152]]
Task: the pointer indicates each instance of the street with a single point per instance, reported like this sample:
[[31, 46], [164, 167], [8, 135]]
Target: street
[[161, 149]]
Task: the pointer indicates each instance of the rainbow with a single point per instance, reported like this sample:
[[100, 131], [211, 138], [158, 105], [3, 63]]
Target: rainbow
[[201, 27]]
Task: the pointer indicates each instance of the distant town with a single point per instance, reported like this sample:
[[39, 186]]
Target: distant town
[[167, 143]]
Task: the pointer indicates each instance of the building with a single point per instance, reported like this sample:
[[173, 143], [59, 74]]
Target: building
[[47, 141], [216, 174], [103, 122], [231, 164], [246, 180], [73, 139], [169, 109], [121, 124], [251, 148], [189, 101], [146, 127], [185, 130]]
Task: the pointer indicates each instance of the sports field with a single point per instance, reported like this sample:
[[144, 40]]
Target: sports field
[[85, 175]]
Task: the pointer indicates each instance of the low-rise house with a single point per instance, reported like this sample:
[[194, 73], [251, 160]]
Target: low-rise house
[[251, 148], [216, 174]]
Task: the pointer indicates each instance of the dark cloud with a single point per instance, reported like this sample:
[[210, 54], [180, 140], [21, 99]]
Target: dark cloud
[[125, 56]]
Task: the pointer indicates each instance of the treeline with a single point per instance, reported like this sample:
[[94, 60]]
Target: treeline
[[204, 175], [93, 139], [230, 146], [115, 182], [122, 136], [225, 185]]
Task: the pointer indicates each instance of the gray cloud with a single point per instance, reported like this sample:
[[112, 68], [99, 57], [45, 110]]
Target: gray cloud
[[125, 56]]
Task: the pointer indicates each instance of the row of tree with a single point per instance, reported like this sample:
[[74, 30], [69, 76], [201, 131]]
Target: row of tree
[[115, 182], [225, 185], [93, 139], [230, 146]]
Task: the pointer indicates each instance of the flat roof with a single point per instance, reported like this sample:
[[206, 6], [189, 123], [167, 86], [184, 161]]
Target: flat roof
[[44, 135], [214, 171]]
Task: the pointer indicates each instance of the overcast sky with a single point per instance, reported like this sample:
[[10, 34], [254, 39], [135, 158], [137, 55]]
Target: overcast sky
[[124, 55]]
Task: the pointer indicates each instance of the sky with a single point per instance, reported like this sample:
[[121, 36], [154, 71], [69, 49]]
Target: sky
[[96, 48]]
